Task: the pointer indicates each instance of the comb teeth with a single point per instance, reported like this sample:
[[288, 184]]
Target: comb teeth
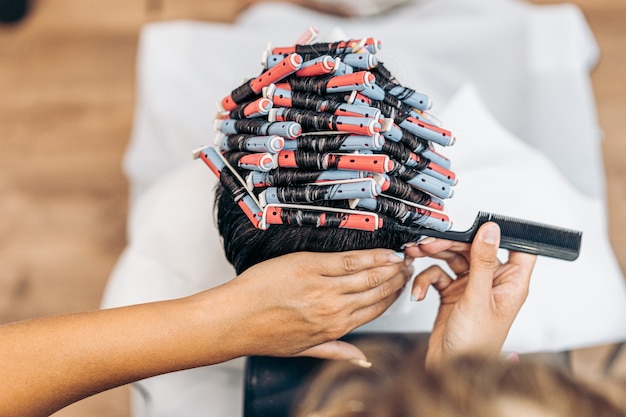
[[532, 237], [521, 236]]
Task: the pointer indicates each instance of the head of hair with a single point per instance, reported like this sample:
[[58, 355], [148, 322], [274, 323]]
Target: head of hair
[[409, 186]]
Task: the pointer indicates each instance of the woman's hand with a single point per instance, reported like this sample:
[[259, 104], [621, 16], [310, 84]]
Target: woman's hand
[[478, 306], [299, 304], [279, 307]]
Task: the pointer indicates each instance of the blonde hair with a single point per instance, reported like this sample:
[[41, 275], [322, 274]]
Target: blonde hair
[[398, 385]]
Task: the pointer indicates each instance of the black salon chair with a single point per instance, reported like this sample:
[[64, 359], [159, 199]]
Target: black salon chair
[[13, 11], [274, 385]]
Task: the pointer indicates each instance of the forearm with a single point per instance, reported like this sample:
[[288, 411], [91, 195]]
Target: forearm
[[51, 362]]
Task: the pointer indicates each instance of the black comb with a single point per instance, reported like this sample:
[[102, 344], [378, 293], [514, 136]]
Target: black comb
[[522, 236]]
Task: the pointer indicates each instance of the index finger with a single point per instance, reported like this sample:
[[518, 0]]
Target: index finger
[[431, 247], [525, 262]]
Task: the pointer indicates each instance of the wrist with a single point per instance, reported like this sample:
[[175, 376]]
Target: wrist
[[215, 322]]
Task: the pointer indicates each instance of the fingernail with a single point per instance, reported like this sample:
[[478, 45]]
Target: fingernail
[[425, 240], [361, 362], [408, 245], [408, 260], [490, 233], [396, 257], [415, 295]]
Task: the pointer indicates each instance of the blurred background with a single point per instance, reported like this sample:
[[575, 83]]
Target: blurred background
[[67, 71]]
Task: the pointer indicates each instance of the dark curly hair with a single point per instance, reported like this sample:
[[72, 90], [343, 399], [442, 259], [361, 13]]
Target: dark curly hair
[[245, 245]]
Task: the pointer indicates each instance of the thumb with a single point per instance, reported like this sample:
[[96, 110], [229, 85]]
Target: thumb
[[337, 349], [483, 261]]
